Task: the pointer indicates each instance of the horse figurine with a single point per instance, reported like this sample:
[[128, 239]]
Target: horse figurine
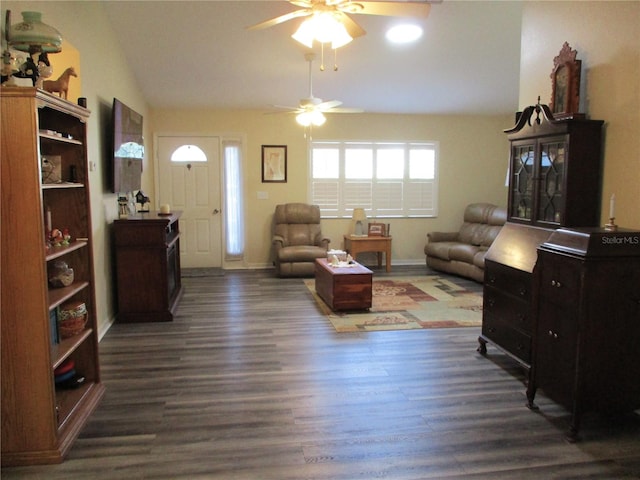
[[61, 85]]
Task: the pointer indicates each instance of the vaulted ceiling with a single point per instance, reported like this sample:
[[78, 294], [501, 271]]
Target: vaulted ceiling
[[198, 54]]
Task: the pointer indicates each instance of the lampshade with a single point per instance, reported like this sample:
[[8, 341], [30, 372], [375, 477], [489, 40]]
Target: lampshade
[[359, 215], [31, 35], [323, 27]]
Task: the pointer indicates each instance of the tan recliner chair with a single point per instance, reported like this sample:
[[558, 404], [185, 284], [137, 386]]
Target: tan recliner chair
[[297, 239]]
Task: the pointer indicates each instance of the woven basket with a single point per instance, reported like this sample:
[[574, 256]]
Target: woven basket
[[73, 318]]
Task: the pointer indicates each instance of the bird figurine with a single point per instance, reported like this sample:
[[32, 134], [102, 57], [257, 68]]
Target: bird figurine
[[142, 199]]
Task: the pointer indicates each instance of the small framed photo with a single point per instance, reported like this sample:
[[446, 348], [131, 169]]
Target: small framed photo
[[274, 163], [377, 230]]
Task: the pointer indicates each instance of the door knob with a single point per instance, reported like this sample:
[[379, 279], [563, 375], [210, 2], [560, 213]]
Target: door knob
[[216, 211]]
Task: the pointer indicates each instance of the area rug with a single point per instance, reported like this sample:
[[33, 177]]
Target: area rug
[[405, 303]]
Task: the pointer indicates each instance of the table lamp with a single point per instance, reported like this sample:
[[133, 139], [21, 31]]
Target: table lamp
[[357, 222], [35, 38]]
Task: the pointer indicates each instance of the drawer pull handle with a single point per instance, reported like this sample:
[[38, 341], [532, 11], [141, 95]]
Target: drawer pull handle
[[553, 334], [556, 283]]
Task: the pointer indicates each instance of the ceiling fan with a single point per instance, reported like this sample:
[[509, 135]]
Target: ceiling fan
[[311, 110], [341, 9]]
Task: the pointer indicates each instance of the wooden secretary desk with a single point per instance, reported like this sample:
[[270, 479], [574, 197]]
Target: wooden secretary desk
[[562, 295], [148, 266], [554, 181]]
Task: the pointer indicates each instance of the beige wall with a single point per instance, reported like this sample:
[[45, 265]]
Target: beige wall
[[473, 163], [606, 36]]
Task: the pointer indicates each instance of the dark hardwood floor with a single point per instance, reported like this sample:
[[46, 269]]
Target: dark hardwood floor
[[252, 382]]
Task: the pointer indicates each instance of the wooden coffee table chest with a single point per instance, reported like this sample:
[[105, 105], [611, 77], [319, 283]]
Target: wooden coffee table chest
[[344, 288]]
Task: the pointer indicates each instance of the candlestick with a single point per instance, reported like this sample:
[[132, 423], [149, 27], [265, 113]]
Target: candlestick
[[611, 226], [49, 225], [612, 206]]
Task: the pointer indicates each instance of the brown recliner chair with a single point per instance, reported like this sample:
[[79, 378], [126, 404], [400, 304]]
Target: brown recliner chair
[[297, 239]]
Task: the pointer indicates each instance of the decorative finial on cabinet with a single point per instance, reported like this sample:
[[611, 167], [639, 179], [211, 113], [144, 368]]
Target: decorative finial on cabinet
[[538, 109]]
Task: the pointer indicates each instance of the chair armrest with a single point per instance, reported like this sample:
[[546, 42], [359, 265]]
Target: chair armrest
[[442, 236], [324, 243], [277, 241]]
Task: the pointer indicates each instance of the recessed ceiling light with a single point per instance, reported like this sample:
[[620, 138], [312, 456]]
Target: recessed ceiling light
[[404, 33]]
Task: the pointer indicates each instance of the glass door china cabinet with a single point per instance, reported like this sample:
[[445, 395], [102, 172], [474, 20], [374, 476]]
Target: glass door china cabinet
[[555, 170]]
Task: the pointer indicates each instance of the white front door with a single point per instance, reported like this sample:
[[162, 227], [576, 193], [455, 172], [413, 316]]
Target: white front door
[[193, 186]]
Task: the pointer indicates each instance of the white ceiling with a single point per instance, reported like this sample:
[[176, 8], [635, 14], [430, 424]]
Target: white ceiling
[[198, 54]]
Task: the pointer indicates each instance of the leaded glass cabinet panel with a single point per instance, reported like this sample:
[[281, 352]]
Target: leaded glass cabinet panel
[[555, 170]]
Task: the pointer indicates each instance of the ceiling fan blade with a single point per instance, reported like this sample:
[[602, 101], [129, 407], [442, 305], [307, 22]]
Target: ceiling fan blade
[[324, 106], [286, 109], [394, 9], [282, 113], [281, 19], [344, 110], [352, 27]]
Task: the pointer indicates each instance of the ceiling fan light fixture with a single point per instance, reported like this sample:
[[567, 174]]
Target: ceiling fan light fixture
[[318, 118], [305, 34], [340, 37], [304, 119], [323, 27], [310, 117]]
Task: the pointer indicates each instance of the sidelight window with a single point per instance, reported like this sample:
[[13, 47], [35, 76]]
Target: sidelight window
[[233, 194]]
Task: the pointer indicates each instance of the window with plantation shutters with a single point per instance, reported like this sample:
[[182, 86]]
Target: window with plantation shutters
[[387, 179]]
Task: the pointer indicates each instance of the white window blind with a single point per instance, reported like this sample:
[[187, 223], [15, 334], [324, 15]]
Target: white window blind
[[387, 179]]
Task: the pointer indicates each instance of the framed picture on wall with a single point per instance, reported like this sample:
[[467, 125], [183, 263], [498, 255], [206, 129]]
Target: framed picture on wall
[[274, 163]]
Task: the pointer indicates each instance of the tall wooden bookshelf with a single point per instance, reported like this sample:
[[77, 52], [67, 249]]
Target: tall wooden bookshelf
[[39, 421]]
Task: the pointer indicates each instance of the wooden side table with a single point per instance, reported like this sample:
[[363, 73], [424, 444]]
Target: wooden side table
[[355, 245]]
